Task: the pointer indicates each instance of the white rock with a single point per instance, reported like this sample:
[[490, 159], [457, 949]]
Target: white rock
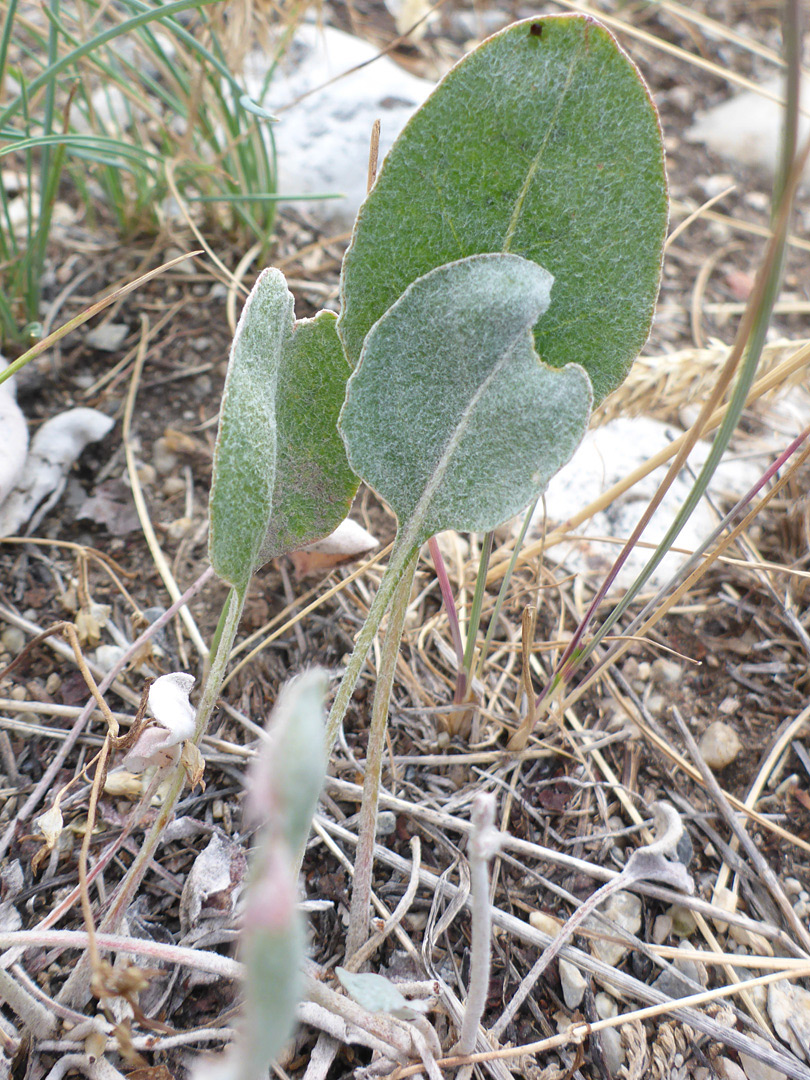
[[13, 640], [322, 140], [747, 128], [54, 448], [612, 1050], [666, 672], [14, 442], [108, 337], [789, 1009], [625, 909], [573, 984], [719, 745], [107, 656], [662, 928], [607, 455], [729, 1069], [606, 1006], [756, 1069], [545, 923]]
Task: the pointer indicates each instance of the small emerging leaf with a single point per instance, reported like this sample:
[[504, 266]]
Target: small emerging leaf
[[377, 994], [450, 415], [287, 775]]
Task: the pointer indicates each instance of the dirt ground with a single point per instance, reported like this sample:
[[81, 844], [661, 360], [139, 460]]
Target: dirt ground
[[735, 648]]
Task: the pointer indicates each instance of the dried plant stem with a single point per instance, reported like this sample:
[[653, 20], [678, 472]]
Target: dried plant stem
[[36, 1017], [46, 782], [367, 828], [760, 864], [484, 843], [88, 313], [76, 984], [649, 863]]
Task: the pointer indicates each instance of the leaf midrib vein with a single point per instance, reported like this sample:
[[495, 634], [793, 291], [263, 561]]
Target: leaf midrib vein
[[535, 165]]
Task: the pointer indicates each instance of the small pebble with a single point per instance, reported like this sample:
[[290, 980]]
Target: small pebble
[[756, 1069], [605, 1005], [18, 693], [53, 683], [386, 823], [173, 485], [714, 185], [109, 337], [147, 474], [719, 745], [662, 928], [683, 921], [176, 530], [729, 1069], [758, 200], [792, 886], [573, 984], [546, 924], [789, 1009], [107, 656], [13, 640], [163, 459], [612, 1050], [666, 672], [623, 908], [656, 703]]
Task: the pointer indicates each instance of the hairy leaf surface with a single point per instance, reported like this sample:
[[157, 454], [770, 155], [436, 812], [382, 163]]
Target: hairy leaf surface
[[450, 415], [281, 479], [241, 500], [542, 142], [314, 485]]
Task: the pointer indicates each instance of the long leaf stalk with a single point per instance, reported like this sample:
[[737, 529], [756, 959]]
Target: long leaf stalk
[[401, 556], [504, 589], [474, 620], [77, 982], [367, 829], [446, 589]]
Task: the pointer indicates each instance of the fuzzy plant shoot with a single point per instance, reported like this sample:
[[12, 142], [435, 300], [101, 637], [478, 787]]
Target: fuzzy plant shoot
[[283, 789], [500, 281]]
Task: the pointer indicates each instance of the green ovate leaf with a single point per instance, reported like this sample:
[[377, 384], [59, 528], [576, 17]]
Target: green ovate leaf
[[241, 499], [314, 485], [450, 415], [542, 142], [281, 479]]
